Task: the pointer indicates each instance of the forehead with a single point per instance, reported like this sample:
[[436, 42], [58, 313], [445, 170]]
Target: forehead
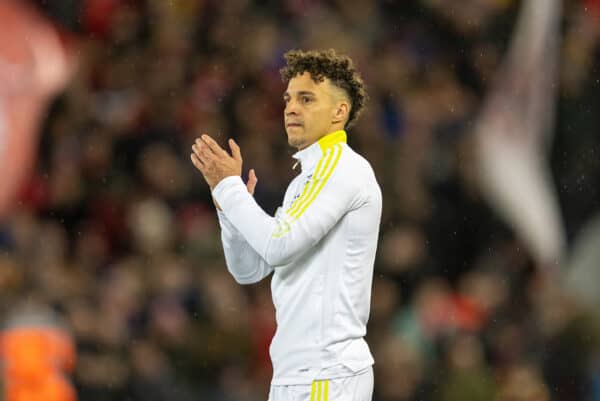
[[304, 83]]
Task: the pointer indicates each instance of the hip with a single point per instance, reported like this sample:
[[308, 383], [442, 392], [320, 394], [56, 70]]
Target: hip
[[358, 387]]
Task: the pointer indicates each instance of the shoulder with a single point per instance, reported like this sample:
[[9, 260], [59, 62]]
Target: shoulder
[[355, 172], [355, 167]]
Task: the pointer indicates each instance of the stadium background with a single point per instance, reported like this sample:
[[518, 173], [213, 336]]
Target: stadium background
[[114, 232]]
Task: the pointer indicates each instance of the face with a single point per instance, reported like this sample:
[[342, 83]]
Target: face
[[312, 110]]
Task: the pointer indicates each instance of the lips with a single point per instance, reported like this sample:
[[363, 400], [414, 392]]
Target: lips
[[294, 124]]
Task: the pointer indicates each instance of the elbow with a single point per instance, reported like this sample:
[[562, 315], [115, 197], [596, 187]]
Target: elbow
[[278, 258], [245, 280]]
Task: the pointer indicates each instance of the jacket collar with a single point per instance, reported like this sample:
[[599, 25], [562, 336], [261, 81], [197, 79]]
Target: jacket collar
[[310, 155]]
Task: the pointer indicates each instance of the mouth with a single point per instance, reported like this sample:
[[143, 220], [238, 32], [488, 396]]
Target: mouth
[[290, 125]]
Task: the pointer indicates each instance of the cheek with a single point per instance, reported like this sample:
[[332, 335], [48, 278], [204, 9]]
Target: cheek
[[325, 117], [321, 115]]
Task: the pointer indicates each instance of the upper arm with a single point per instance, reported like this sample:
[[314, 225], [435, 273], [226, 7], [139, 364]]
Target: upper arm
[[325, 199], [333, 190], [243, 262]]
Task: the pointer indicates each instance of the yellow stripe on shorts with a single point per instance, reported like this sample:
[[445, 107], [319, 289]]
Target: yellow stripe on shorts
[[319, 390]]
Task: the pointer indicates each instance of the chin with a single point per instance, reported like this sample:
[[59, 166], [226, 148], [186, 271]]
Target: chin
[[295, 141]]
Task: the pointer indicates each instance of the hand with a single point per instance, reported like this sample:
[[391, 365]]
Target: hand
[[252, 180], [215, 163]]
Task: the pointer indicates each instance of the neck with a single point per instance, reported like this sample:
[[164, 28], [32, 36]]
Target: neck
[[328, 140], [332, 130]]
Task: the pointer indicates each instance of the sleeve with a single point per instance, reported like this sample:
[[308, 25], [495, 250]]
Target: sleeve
[[281, 239], [245, 265]]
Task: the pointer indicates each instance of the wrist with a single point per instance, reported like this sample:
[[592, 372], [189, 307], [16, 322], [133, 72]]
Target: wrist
[[223, 190], [216, 203]]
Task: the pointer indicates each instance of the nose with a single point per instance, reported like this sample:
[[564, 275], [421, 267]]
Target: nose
[[291, 108]]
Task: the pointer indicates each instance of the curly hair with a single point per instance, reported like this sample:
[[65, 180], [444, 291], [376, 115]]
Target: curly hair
[[339, 69]]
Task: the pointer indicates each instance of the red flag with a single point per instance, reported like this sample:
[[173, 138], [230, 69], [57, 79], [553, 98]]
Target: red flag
[[34, 66]]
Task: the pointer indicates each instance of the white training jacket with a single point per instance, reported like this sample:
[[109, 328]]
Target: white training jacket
[[321, 247]]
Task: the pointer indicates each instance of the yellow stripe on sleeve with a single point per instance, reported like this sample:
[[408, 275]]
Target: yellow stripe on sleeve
[[284, 225], [306, 186], [312, 391], [313, 196], [313, 183], [319, 391], [326, 390], [323, 172]]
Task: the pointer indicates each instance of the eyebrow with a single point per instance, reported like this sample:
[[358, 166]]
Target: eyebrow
[[300, 93]]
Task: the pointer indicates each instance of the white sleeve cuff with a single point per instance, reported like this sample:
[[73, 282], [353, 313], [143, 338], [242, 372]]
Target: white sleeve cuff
[[227, 186]]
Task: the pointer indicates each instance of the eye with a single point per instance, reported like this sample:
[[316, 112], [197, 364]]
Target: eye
[[306, 99]]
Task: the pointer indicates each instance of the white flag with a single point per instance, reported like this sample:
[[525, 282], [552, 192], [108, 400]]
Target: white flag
[[514, 129]]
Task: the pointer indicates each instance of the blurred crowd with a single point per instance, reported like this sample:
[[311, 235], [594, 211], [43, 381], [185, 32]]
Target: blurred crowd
[[116, 231]]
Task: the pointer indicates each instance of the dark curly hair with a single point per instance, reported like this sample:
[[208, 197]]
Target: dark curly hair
[[339, 69]]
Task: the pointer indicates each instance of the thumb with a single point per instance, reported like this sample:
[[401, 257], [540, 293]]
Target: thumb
[[235, 150], [252, 180]]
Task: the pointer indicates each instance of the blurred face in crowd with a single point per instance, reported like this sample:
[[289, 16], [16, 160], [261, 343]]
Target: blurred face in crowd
[[313, 110]]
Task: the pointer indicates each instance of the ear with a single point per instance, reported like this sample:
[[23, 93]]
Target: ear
[[342, 111]]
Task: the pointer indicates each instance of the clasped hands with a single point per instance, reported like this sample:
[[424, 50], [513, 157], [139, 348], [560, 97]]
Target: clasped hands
[[215, 163]]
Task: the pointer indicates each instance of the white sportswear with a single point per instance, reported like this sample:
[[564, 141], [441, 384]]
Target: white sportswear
[[321, 245]]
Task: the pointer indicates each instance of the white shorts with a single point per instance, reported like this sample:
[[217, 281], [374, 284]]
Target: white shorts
[[351, 388]]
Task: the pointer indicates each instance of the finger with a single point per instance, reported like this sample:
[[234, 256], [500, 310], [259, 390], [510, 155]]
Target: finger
[[252, 180], [196, 149], [202, 148], [213, 146], [197, 163], [202, 152], [235, 150]]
